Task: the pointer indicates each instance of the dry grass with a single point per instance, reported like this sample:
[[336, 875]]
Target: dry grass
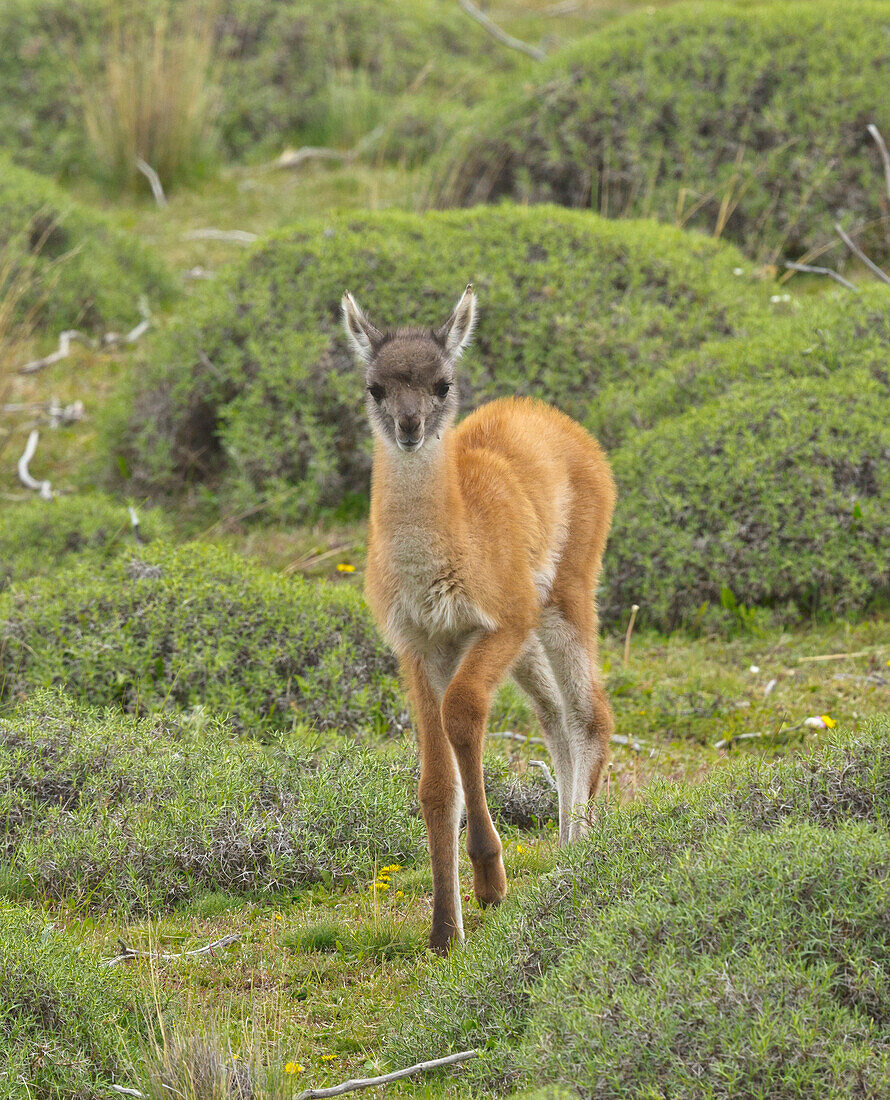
[[154, 95]]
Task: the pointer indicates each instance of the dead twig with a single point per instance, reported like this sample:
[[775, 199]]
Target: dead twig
[[372, 1082], [811, 269], [842, 656], [509, 735], [293, 158], [66, 339], [882, 149], [128, 953], [42, 487], [857, 251], [545, 771], [501, 36], [154, 181], [126, 1092], [229, 236]]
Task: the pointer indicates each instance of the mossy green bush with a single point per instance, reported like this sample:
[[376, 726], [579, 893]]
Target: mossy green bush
[[776, 495], [747, 121], [255, 386], [36, 538], [195, 627], [61, 1015], [75, 269], [764, 866], [286, 73], [120, 813]]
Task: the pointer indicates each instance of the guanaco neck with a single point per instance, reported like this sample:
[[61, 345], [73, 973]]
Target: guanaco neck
[[417, 490]]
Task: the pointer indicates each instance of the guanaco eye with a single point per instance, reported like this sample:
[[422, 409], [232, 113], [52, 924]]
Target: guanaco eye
[[441, 389], [377, 392]]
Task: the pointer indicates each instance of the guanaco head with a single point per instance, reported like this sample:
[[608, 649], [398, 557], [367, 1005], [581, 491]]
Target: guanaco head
[[409, 372]]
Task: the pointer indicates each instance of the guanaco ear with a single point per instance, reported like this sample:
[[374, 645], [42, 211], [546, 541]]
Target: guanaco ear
[[457, 331], [363, 336]]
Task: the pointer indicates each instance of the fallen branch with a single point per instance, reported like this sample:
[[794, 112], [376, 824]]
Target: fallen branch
[[42, 487], [495, 31], [230, 236], [128, 953], [295, 157], [126, 1092], [810, 269], [857, 251], [882, 149], [154, 181], [545, 771], [71, 335], [842, 656], [509, 735], [66, 339], [372, 1082]]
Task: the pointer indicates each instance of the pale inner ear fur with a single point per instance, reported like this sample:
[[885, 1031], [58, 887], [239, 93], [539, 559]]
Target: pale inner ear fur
[[362, 335], [457, 331]]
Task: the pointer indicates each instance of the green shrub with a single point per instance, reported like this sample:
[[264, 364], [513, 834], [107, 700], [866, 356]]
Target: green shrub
[[198, 628], [61, 1016], [773, 495], [256, 386], [120, 813], [36, 538], [670, 849], [750, 122], [766, 962], [79, 271], [294, 72]]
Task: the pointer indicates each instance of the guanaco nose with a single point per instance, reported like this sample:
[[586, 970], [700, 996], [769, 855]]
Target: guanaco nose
[[409, 429]]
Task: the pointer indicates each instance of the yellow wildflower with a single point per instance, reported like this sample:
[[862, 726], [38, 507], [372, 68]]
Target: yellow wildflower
[[520, 849], [828, 720], [329, 1057], [277, 916], [379, 885], [400, 893], [345, 567], [293, 1067]]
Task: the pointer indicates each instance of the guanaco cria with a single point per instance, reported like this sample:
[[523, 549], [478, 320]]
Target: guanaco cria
[[484, 548]]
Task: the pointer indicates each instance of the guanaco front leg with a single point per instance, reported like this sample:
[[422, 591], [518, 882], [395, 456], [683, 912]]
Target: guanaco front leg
[[465, 709], [441, 801]]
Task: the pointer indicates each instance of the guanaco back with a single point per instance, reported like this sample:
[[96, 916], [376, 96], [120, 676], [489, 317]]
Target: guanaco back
[[484, 550]]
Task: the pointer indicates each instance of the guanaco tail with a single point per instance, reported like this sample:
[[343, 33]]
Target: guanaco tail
[[484, 549]]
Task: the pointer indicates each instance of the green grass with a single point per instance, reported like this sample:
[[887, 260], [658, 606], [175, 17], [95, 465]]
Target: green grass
[[61, 1017], [745, 121]]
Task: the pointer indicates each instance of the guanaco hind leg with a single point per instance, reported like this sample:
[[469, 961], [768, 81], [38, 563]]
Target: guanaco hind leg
[[588, 715], [534, 675]]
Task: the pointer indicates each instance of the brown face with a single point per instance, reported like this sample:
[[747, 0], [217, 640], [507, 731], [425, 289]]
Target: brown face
[[411, 392], [409, 373]]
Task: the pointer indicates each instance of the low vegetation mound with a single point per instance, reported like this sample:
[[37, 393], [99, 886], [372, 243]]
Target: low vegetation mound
[[291, 72], [37, 538], [114, 812], [748, 122], [62, 1016], [255, 385], [194, 627], [604, 977], [69, 266]]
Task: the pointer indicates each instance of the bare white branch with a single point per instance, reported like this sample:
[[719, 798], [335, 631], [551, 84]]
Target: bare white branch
[[42, 487], [857, 251], [66, 339], [501, 36], [126, 1092], [128, 953], [294, 158], [882, 149], [372, 1082], [154, 181], [545, 771], [810, 269], [228, 236]]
